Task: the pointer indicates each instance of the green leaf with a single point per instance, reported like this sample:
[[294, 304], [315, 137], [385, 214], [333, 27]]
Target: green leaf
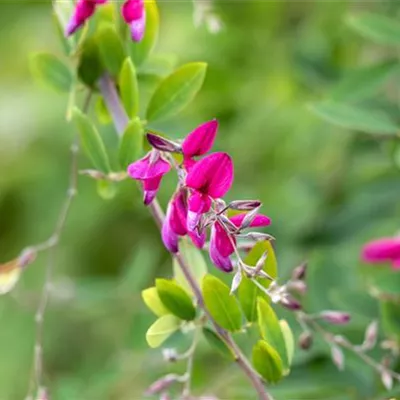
[[176, 91], [106, 189], [153, 302], [364, 82], [102, 113], [270, 330], [128, 87], [90, 66], [267, 362], [390, 314], [289, 340], [175, 299], [91, 141], [52, 72], [221, 305], [194, 259], [131, 145], [161, 330], [218, 344], [355, 118], [379, 28], [140, 51], [248, 291], [111, 49]]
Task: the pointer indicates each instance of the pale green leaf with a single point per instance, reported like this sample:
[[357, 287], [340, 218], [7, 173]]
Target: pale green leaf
[[161, 330], [128, 87], [153, 302]]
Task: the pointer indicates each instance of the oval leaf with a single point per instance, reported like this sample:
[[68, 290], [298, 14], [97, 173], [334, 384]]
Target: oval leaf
[[194, 259], [131, 145], [140, 51], [378, 28], [355, 118], [161, 330], [220, 304], [90, 66], [91, 141], [218, 344], [111, 49], [176, 91], [175, 299], [270, 330], [128, 87], [267, 362], [52, 72], [289, 340], [153, 302]]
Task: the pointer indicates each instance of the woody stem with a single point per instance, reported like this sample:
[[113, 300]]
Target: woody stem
[[121, 120]]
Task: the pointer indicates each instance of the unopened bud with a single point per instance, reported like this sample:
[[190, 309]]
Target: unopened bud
[[290, 303], [387, 379], [260, 263], [92, 173], [237, 278], [299, 273], [165, 396], [163, 144], [305, 340], [297, 287], [256, 236], [42, 394], [335, 317], [244, 205], [162, 384], [27, 257], [371, 336], [170, 355], [337, 357], [249, 217]]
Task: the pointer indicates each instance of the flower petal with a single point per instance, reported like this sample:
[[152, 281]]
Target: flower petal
[[83, 10], [213, 175], [221, 262], [200, 141], [198, 204], [198, 239], [146, 168], [137, 28], [258, 221], [396, 264], [132, 10], [150, 189], [385, 249], [169, 237], [223, 243], [179, 213]]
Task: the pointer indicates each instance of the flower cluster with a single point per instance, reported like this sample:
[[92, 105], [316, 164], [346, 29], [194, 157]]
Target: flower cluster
[[383, 250], [133, 12], [197, 202]]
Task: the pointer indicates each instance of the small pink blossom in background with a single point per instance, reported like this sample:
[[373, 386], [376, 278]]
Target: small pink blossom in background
[[383, 250]]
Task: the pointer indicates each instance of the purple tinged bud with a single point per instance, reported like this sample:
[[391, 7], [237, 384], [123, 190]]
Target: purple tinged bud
[[290, 303], [337, 357], [249, 217], [387, 379], [299, 273], [371, 336], [335, 317], [237, 278], [27, 257], [299, 287], [162, 384], [42, 394], [163, 144], [305, 340], [244, 205], [165, 396], [170, 355]]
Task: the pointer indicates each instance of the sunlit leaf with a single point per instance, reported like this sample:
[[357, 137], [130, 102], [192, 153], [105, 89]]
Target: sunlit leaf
[[176, 91], [161, 330], [152, 300], [267, 362], [102, 113], [289, 340], [128, 87]]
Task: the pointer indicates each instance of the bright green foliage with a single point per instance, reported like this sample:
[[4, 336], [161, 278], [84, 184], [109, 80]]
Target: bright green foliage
[[217, 343], [355, 118], [91, 141], [153, 302], [289, 340], [140, 51], [102, 113], [175, 299], [379, 28], [52, 72], [223, 307], [131, 145], [128, 87], [176, 91], [161, 330], [267, 362]]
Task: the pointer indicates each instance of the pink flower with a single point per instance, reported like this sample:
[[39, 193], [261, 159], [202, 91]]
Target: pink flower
[[150, 170], [134, 14], [175, 223], [222, 244], [210, 178], [383, 250], [84, 9]]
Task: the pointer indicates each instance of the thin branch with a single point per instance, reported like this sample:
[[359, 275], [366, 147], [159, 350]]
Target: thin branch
[[120, 119], [51, 244]]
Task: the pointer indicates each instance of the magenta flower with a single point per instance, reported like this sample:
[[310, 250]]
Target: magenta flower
[[210, 178], [134, 15], [149, 170], [383, 250], [222, 243], [175, 223], [84, 9]]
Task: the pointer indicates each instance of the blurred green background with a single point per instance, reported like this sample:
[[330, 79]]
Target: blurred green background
[[327, 191]]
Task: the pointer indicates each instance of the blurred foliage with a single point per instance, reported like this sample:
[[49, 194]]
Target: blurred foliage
[[327, 191]]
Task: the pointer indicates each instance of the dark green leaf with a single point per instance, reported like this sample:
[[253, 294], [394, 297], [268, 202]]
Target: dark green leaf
[[221, 305], [153, 302], [131, 145], [52, 72], [175, 299], [161, 330], [176, 91], [91, 141], [128, 87], [267, 362], [90, 66], [217, 343], [355, 118]]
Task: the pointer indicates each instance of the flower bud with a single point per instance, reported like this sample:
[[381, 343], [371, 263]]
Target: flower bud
[[27, 257], [244, 205], [371, 335], [237, 278], [335, 317], [305, 340], [290, 303], [161, 384], [338, 357], [387, 379], [163, 144], [299, 287], [42, 394], [170, 355], [299, 273]]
